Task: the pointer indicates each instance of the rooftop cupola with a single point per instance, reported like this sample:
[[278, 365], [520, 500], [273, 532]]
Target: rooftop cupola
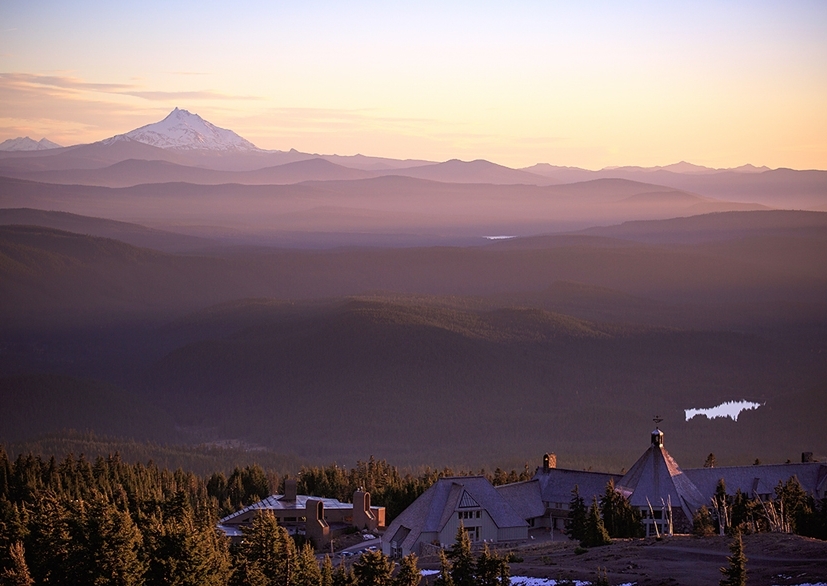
[[657, 438]]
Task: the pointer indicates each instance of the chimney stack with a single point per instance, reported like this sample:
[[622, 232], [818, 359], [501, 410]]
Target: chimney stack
[[807, 457], [290, 489], [549, 461]]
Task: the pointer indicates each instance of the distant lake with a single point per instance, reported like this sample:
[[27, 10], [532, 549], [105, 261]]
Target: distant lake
[[731, 409], [499, 237]]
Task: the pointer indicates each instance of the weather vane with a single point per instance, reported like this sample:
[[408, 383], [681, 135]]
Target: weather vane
[[657, 419]]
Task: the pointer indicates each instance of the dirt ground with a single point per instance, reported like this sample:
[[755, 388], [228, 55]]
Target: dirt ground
[[772, 559]]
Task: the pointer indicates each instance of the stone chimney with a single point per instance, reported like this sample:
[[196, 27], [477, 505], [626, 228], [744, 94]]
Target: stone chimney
[[549, 461], [316, 527], [807, 457], [289, 489], [363, 516]]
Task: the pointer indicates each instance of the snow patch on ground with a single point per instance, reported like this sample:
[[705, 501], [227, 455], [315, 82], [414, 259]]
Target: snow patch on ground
[[526, 581]]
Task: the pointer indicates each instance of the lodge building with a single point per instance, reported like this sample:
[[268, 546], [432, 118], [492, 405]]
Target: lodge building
[[655, 485]]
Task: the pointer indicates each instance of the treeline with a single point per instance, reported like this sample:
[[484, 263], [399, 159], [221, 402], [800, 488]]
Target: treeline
[[203, 459], [386, 485], [77, 522], [791, 510], [610, 516], [108, 522]]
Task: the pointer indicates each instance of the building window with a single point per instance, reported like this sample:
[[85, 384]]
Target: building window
[[478, 514]]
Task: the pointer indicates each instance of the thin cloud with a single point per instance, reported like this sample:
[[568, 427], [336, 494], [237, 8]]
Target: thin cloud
[[74, 84], [185, 95], [62, 82]]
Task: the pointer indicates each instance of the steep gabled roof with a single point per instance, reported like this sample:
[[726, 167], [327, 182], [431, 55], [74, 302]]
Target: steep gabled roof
[[431, 511], [656, 478]]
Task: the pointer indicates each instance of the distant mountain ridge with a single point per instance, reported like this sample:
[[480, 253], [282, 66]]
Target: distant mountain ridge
[[24, 143], [185, 148]]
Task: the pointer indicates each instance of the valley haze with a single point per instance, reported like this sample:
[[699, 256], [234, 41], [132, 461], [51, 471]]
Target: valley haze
[[177, 284]]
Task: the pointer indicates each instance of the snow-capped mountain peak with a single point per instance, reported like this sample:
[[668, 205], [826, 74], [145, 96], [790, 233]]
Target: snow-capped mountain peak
[[24, 143], [183, 130]]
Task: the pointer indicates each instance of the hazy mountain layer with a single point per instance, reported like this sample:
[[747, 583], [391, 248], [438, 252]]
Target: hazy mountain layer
[[473, 356], [380, 210]]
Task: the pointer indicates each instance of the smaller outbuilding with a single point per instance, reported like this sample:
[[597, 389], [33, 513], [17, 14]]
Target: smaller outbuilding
[[320, 519]]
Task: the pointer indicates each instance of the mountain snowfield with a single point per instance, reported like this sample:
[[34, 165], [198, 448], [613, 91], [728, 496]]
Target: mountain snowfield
[[24, 143], [183, 130]]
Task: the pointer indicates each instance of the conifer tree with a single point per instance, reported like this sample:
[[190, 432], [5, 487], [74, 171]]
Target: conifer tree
[[326, 576], [307, 572], [408, 574], [373, 568], [185, 550], [246, 573], [576, 527], [489, 568], [736, 573], [343, 576], [702, 523], [595, 533], [444, 578], [619, 517], [462, 560], [268, 548], [113, 546], [51, 541], [797, 505], [17, 574]]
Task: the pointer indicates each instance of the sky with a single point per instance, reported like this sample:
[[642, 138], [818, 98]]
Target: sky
[[587, 84]]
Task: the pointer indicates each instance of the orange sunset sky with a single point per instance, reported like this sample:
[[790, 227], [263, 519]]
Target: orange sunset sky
[[589, 84]]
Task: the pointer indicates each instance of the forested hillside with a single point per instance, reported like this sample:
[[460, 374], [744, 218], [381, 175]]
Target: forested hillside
[[465, 356]]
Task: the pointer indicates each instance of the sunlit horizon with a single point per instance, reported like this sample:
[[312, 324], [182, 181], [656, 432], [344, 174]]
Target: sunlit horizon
[[589, 85]]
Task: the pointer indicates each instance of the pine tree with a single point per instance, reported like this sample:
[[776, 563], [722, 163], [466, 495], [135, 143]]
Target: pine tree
[[185, 549], [51, 541], [343, 576], [18, 573], [373, 568], [307, 572], [488, 568], [268, 548], [408, 574], [462, 560], [619, 516], [327, 572], [736, 573], [710, 461], [113, 546], [576, 528], [702, 523], [798, 506], [595, 534], [246, 573], [444, 578]]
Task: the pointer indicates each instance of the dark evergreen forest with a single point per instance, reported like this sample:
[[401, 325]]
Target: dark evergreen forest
[[75, 521]]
